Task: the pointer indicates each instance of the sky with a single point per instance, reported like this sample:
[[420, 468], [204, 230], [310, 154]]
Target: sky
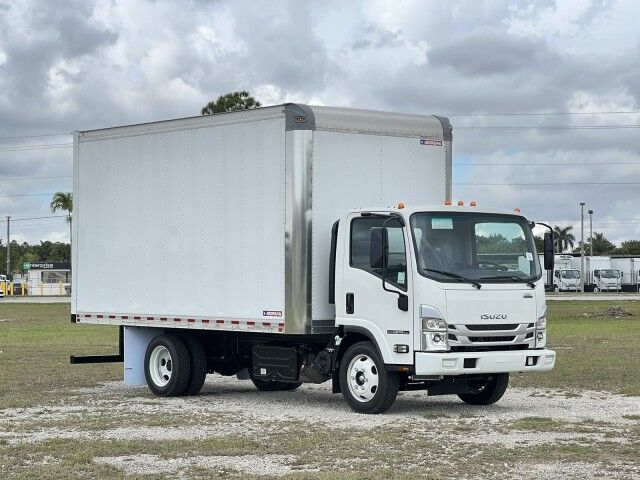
[[78, 65]]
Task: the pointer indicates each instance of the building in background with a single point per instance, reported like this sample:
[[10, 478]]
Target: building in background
[[48, 278]]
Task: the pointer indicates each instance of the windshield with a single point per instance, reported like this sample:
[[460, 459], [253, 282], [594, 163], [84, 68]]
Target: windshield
[[609, 273], [488, 247], [570, 274]]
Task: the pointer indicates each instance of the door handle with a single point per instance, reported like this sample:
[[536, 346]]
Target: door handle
[[349, 303]]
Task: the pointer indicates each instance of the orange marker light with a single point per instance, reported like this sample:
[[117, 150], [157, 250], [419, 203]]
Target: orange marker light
[[460, 203], [400, 205], [517, 210], [447, 202], [473, 203]]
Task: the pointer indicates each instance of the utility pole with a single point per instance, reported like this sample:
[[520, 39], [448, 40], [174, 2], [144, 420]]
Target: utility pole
[[591, 233], [8, 247], [582, 246]]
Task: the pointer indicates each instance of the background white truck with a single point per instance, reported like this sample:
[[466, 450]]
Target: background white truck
[[629, 272], [304, 267], [600, 276], [566, 277]]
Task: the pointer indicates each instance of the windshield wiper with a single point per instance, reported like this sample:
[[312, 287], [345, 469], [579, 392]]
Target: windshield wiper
[[514, 278], [456, 276]]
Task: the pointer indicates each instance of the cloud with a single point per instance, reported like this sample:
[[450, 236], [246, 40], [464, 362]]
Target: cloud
[[87, 64]]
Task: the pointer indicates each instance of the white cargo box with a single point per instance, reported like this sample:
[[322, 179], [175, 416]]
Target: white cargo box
[[224, 221]]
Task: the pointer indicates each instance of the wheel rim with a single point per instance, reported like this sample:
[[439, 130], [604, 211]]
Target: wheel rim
[[160, 366], [363, 378]]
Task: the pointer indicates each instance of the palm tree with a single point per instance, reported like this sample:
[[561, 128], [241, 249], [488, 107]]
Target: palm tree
[[564, 240], [601, 246], [63, 201]]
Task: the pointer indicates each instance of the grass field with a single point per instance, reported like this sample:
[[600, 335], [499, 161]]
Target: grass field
[[76, 421]]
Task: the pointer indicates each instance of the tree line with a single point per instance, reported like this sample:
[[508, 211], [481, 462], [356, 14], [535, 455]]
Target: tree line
[[565, 242], [22, 253]]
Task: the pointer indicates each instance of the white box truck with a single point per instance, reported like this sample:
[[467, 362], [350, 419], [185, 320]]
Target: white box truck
[[600, 276], [304, 265], [629, 272], [566, 278]]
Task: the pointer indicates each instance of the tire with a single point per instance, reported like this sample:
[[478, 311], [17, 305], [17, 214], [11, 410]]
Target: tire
[[167, 366], [366, 384], [556, 289], [197, 364], [271, 385], [595, 290], [488, 393]]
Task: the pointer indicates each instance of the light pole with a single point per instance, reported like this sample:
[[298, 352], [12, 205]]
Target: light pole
[[582, 246], [8, 247], [591, 233]]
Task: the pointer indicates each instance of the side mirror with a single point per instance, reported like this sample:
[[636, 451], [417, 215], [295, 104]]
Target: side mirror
[[548, 251], [378, 247]]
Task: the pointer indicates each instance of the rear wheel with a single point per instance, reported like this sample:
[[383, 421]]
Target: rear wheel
[[366, 384], [272, 386], [488, 392], [197, 364], [167, 366]]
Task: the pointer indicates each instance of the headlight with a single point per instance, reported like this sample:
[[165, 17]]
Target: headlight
[[434, 335], [541, 330], [434, 325]]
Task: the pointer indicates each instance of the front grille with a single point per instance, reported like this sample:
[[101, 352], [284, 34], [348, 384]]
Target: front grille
[[507, 326], [491, 339], [483, 337]]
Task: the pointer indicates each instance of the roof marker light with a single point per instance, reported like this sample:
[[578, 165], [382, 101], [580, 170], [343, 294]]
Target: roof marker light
[[400, 205], [517, 210], [473, 203], [447, 202], [460, 203]]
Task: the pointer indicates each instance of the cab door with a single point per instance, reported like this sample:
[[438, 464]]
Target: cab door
[[366, 306]]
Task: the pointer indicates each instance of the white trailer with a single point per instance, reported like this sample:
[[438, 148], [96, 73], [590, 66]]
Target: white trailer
[[303, 264], [600, 276], [629, 272]]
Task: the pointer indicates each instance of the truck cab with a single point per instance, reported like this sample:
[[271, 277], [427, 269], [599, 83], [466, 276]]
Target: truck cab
[[566, 280], [607, 280], [451, 296]]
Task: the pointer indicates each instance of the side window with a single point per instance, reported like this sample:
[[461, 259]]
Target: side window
[[396, 272]]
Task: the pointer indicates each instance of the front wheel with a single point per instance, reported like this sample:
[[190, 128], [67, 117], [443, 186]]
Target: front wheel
[[366, 384], [487, 392], [596, 289]]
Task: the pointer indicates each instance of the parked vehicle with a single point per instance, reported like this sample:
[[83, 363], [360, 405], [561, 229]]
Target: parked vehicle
[[565, 276], [304, 264], [600, 276], [4, 285], [629, 272]]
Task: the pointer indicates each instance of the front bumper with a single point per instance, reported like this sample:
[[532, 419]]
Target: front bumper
[[453, 363]]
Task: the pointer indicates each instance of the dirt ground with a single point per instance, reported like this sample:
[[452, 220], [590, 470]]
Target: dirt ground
[[61, 421], [231, 430]]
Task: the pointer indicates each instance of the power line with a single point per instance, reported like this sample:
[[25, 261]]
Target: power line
[[37, 178], [18, 137], [548, 183], [548, 164], [35, 147], [37, 218], [540, 114], [26, 195], [547, 127]]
